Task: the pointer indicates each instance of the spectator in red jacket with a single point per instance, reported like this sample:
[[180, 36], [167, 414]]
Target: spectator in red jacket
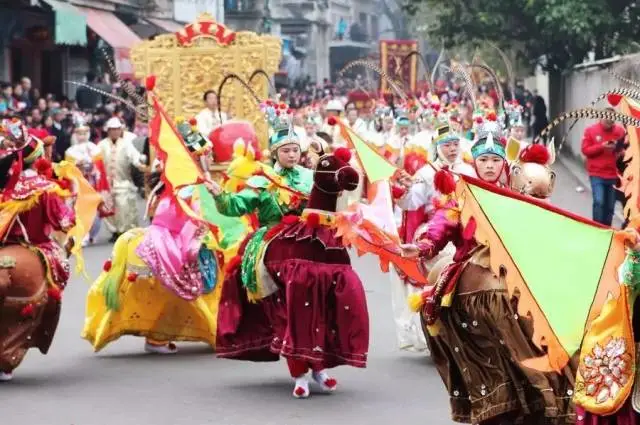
[[600, 147]]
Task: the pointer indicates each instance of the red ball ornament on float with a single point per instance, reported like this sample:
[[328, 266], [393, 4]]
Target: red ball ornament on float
[[224, 136]]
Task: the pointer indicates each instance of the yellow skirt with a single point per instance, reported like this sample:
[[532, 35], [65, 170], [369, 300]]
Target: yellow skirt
[[146, 307]]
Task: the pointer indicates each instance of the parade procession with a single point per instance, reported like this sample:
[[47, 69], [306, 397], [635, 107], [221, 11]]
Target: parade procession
[[409, 227]]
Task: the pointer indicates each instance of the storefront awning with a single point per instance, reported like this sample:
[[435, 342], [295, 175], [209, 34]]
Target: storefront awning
[[116, 33], [167, 25], [70, 24]]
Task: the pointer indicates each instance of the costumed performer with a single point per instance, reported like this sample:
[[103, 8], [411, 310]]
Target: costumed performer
[[87, 157], [477, 339], [33, 263], [161, 281], [119, 154]]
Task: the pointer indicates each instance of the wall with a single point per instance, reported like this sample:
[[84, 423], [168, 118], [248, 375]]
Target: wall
[[582, 87]]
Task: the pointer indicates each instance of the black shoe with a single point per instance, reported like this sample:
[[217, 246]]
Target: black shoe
[[115, 237]]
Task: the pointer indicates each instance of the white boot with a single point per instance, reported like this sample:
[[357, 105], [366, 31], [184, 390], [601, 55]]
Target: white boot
[[169, 348], [6, 376], [327, 383], [301, 389]]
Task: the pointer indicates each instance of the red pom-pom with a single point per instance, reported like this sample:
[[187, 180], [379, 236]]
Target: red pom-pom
[[42, 165], [150, 83], [397, 192], [435, 107], [614, 99], [132, 277], [278, 112], [536, 153], [491, 116], [27, 310], [193, 122], [289, 111], [479, 120], [313, 220], [290, 219], [241, 186], [259, 172], [283, 106], [332, 121], [64, 184], [343, 154], [444, 182], [107, 265], [54, 294]]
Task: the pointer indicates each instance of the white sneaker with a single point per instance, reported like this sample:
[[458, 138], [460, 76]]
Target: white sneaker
[[169, 348], [301, 390], [6, 377]]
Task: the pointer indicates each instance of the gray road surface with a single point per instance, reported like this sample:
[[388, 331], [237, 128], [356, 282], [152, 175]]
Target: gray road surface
[[124, 386]]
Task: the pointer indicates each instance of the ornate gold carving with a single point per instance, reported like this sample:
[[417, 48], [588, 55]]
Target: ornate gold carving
[[184, 73]]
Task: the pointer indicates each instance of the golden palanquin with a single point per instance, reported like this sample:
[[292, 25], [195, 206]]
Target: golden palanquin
[[196, 59]]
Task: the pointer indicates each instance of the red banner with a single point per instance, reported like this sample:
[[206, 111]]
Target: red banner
[[392, 54]]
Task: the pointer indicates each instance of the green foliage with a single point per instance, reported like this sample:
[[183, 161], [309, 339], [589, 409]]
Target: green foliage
[[555, 34]]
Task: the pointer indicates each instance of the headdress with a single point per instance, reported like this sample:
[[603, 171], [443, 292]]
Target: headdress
[[193, 139], [280, 119], [13, 128], [514, 114], [489, 138]]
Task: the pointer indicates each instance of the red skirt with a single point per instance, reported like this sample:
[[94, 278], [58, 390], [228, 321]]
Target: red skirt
[[327, 317]]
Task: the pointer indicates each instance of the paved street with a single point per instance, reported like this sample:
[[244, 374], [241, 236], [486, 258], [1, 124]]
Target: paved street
[[124, 386]]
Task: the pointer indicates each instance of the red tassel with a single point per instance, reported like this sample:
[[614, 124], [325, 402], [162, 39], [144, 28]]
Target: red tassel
[[54, 294], [27, 310], [614, 99], [193, 122], [313, 220], [332, 121], [343, 154], [444, 182], [106, 266], [470, 229], [150, 83], [42, 165]]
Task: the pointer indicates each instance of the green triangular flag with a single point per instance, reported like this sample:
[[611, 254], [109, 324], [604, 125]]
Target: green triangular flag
[[561, 259], [375, 166]]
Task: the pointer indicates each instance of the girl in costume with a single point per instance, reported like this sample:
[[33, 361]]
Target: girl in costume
[[161, 281], [33, 264], [87, 157], [477, 340]]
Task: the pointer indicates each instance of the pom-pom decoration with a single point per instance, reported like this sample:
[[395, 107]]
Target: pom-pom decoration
[[27, 310], [107, 266], [54, 294], [343, 154], [536, 153], [444, 182], [332, 121], [313, 220], [614, 99], [150, 83], [132, 277]]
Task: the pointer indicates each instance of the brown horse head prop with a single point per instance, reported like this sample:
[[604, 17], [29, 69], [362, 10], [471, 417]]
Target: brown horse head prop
[[332, 176], [530, 169]]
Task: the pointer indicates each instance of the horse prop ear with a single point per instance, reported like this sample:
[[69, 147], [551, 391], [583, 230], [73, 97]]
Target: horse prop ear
[[513, 149], [551, 147]]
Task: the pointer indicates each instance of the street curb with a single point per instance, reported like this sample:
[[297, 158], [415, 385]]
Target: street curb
[[578, 173]]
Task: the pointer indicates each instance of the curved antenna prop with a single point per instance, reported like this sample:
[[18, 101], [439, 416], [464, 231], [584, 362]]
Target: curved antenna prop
[[422, 59], [379, 71], [633, 94], [266, 77], [509, 67], [119, 99], [588, 113], [437, 64], [494, 77], [126, 86], [459, 71], [224, 81]]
